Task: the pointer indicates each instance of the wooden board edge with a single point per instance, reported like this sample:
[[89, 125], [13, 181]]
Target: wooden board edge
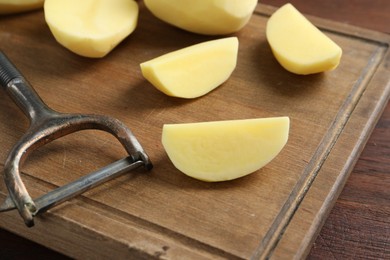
[[308, 220], [318, 216], [80, 231]]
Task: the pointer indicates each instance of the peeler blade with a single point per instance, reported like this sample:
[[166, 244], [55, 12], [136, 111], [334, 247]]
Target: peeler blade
[[66, 192], [77, 187]]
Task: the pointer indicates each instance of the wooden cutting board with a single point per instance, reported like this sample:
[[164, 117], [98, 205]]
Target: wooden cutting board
[[275, 212]]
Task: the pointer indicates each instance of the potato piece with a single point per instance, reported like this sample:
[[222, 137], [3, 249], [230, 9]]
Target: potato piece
[[193, 71], [224, 150], [210, 17], [298, 45], [91, 28], [17, 6]]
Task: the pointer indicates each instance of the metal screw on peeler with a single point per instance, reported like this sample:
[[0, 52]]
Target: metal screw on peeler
[[47, 125]]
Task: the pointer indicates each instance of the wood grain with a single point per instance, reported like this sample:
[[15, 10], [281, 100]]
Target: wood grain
[[109, 97], [358, 225]]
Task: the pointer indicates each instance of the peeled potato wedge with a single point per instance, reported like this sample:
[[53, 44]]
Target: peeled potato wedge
[[193, 71], [210, 17], [298, 45], [91, 28], [224, 150], [17, 6]]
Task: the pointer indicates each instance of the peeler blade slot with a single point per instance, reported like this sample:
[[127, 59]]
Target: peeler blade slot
[[85, 183]]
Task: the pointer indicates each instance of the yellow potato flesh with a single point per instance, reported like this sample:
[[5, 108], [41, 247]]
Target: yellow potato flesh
[[224, 150], [298, 45], [193, 71], [16, 6], [211, 17], [91, 28]]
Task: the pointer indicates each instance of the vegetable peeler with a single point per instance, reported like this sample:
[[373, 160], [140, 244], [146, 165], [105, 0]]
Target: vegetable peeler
[[47, 125]]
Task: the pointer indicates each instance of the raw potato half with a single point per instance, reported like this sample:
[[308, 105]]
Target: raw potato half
[[91, 28], [210, 17], [193, 71], [17, 6], [298, 45], [224, 150]]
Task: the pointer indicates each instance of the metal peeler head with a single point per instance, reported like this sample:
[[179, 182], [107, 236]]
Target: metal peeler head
[[47, 125]]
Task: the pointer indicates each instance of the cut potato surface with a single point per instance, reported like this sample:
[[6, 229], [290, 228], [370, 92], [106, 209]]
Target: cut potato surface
[[298, 45], [17, 6], [193, 71], [224, 150], [91, 28], [210, 17]]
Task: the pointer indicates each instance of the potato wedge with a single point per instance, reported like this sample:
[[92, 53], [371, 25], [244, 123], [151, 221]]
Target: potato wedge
[[298, 45], [224, 150], [91, 28], [18, 6], [210, 17], [193, 71]]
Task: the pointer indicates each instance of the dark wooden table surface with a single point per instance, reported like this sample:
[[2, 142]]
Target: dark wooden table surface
[[358, 227]]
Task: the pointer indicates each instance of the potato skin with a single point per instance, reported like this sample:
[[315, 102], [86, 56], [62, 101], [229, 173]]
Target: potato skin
[[209, 17]]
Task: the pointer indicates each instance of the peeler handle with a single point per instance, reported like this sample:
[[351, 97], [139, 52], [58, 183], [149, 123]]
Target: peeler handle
[[24, 95], [8, 72]]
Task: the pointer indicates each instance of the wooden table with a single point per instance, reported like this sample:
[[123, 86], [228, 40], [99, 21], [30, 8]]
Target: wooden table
[[358, 226]]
